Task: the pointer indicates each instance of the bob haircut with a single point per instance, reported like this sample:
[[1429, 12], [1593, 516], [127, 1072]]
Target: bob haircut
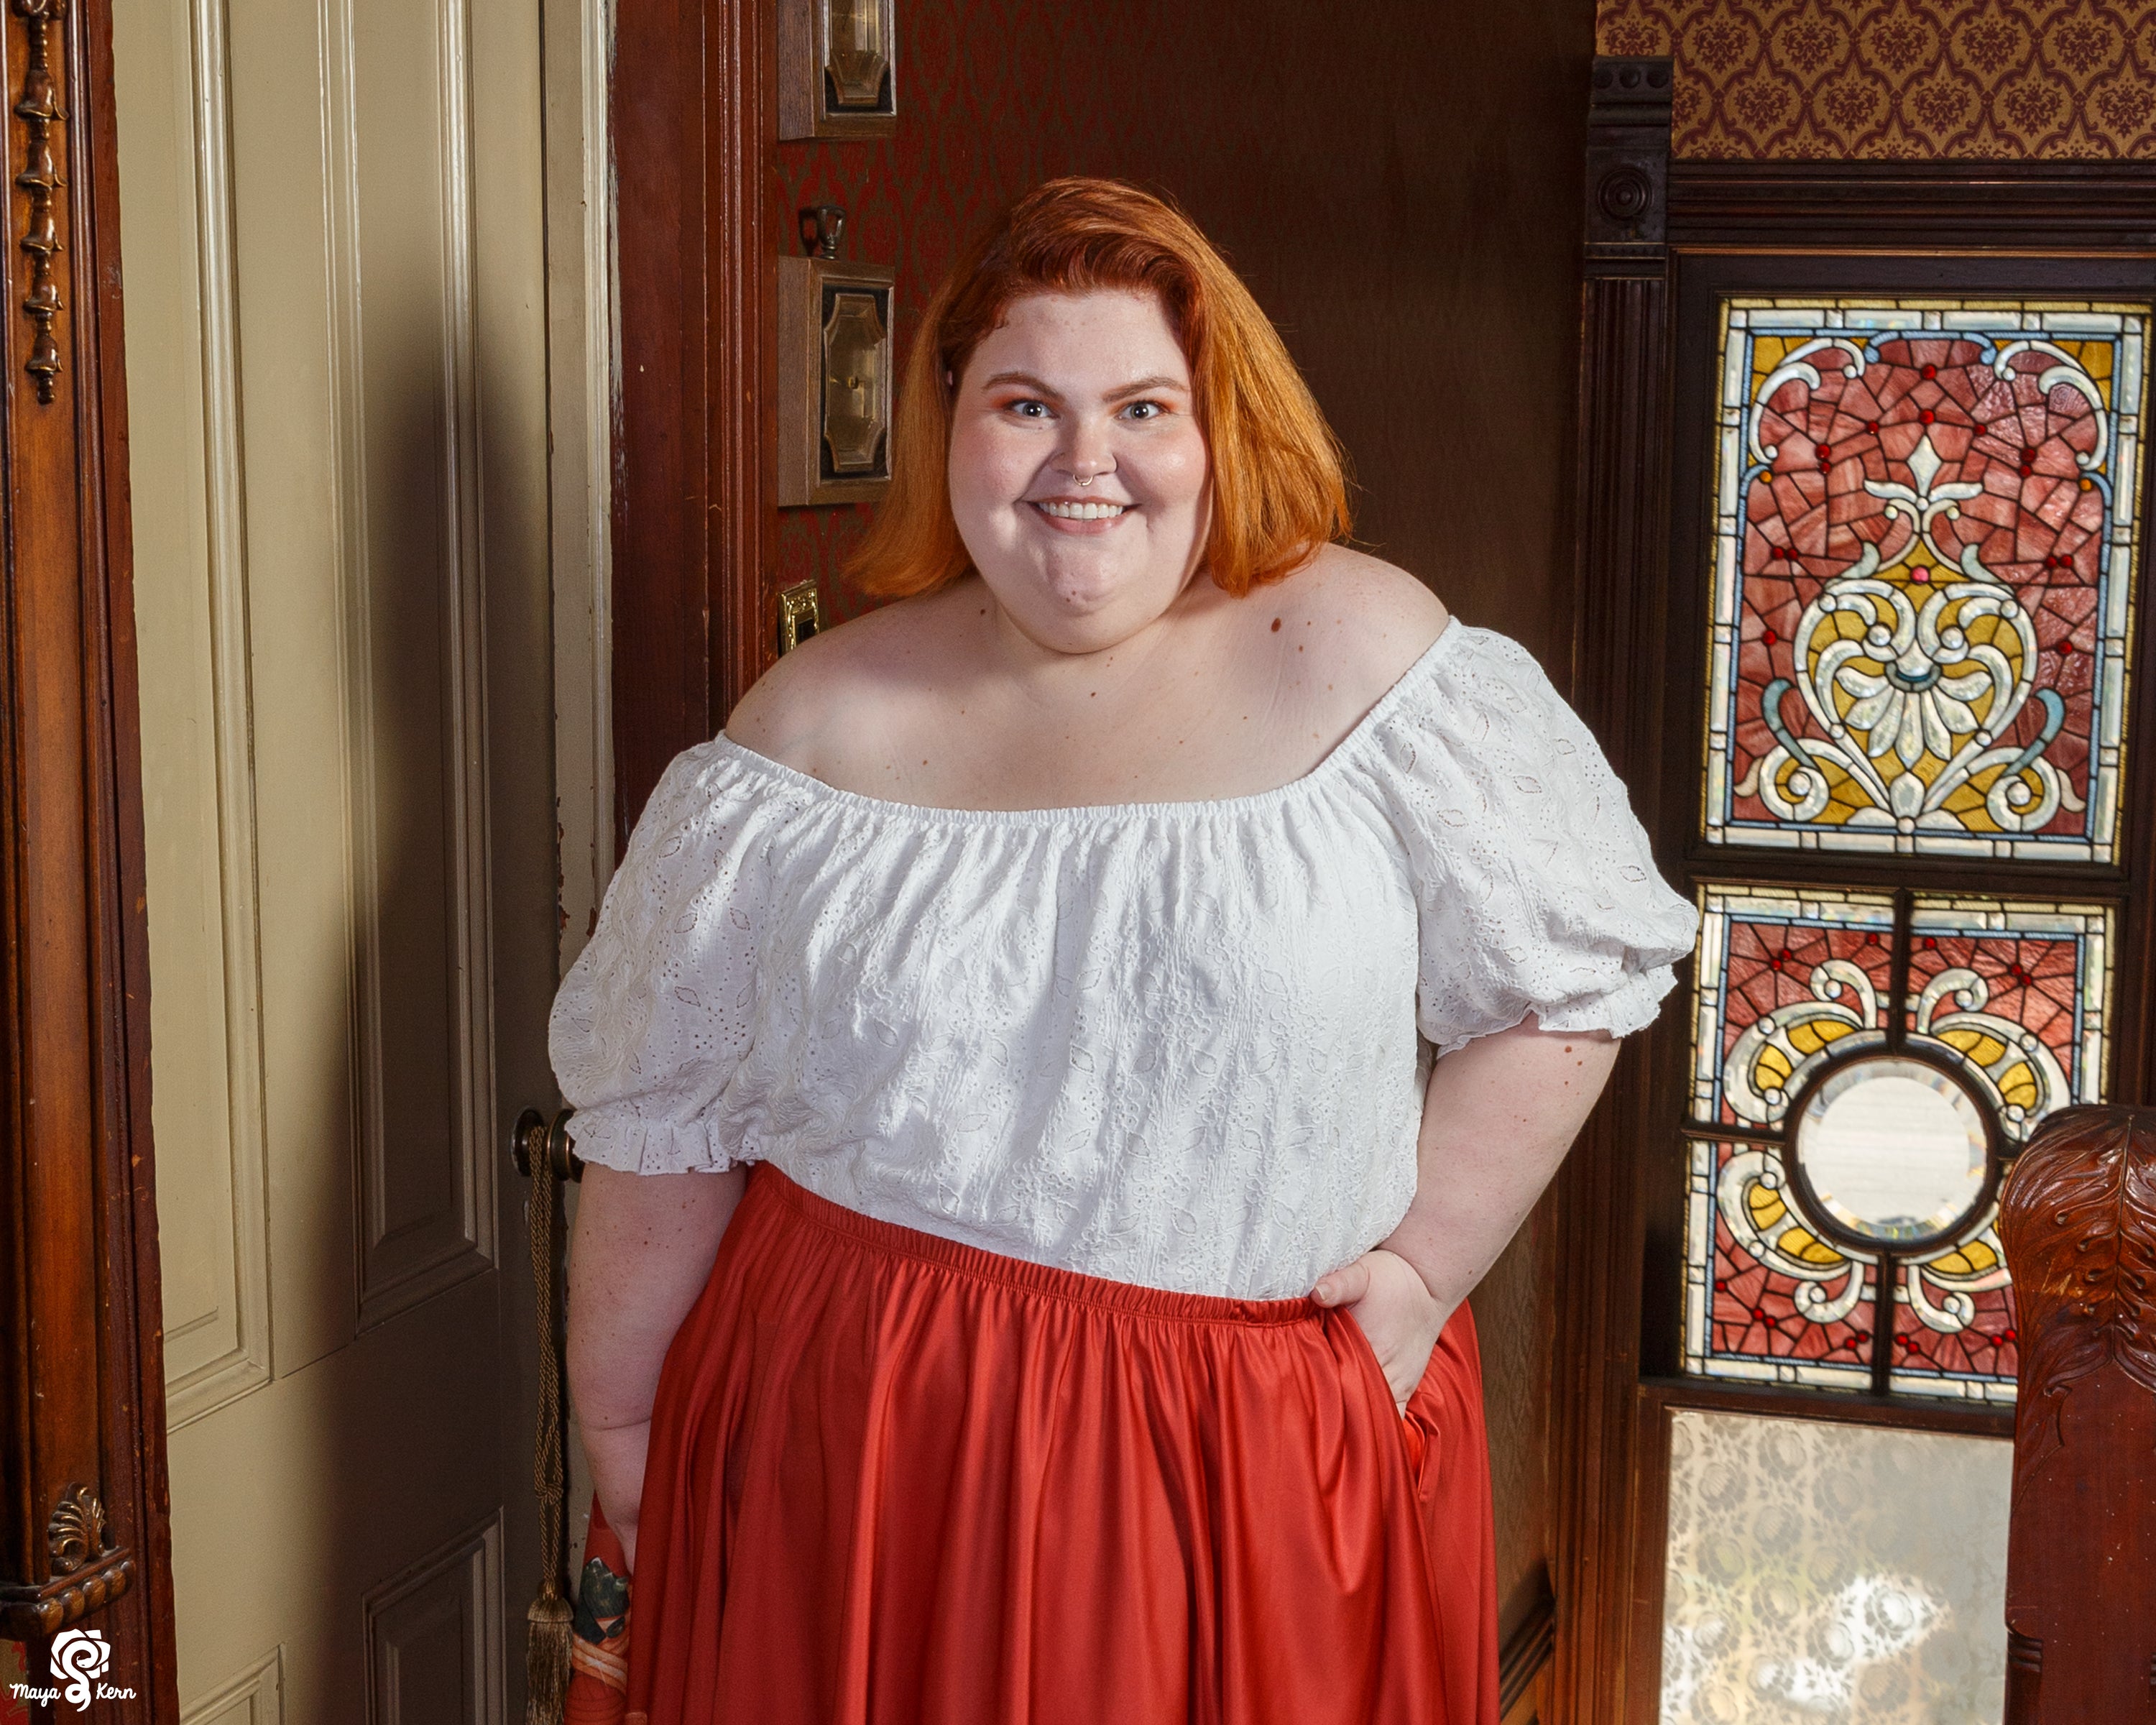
[[1279, 488]]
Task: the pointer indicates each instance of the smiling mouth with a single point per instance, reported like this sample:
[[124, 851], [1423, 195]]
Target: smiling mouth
[[1082, 511]]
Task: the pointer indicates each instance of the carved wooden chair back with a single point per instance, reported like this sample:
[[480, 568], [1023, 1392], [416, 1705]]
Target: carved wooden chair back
[[2078, 1218]]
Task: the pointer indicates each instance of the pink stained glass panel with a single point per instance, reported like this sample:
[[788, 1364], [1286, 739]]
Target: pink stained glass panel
[[2018, 995], [1925, 548], [1787, 980], [1771, 1302], [1942, 1349]]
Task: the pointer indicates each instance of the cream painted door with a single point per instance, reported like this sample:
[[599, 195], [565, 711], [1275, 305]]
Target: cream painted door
[[333, 227]]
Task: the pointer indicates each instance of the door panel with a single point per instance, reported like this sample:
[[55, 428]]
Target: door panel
[[199, 803], [335, 289]]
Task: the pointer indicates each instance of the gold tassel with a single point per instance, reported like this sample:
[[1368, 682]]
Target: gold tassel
[[546, 1659], [547, 1646]]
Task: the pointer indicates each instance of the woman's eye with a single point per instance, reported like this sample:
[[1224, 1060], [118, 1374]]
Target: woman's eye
[[1145, 410], [1030, 410]]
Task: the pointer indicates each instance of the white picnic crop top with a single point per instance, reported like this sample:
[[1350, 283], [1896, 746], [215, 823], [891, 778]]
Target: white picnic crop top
[[1181, 1044]]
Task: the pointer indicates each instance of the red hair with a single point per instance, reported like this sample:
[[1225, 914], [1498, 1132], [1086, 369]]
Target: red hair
[[1279, 488]]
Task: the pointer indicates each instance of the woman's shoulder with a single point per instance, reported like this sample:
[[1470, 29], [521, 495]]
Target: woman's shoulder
[[827, 689], [1360, 624]]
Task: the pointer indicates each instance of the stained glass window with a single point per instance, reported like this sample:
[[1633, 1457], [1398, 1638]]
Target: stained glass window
[[1925, 529], [1863, 1064]]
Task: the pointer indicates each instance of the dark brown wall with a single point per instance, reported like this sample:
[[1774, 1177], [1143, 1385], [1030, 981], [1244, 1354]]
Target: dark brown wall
[[1404, 201]]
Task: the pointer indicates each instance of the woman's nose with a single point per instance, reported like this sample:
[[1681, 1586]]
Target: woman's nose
[[1086, 456]]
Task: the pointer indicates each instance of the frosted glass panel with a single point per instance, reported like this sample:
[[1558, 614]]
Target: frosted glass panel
[[1827, 1574]]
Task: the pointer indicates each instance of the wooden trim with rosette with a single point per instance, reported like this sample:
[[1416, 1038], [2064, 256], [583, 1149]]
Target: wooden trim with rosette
[[83, 1512], [1618, 607]]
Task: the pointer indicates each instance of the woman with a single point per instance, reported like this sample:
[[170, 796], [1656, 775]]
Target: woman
[[1066, 948]]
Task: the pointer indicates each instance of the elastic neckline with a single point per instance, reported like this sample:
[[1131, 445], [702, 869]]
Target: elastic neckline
[[1193, 807]]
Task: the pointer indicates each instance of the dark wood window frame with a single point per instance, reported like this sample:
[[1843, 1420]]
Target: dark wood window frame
[[1665, 237]]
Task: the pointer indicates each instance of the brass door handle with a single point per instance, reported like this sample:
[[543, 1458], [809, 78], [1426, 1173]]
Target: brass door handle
[[533, 1141]]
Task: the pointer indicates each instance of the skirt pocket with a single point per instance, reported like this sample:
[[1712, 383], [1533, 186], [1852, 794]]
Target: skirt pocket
[[1412, 1423]]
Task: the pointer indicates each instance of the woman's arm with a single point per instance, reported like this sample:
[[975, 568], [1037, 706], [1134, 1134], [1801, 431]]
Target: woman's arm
[[641, 1253], [1499, 1116]]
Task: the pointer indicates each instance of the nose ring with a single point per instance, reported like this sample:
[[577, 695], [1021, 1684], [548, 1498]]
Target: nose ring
[[1088, 480]]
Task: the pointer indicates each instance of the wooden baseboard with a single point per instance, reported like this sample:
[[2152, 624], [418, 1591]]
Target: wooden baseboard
[[1523, 1665]]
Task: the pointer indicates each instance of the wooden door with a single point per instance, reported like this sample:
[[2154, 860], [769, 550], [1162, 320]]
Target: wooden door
[[333, 221]]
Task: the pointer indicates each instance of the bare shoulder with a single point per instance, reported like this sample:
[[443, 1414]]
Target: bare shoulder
[[848, 676], [1362, 621]]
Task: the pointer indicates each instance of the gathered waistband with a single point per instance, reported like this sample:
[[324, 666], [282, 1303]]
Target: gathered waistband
[[1047, 1281]]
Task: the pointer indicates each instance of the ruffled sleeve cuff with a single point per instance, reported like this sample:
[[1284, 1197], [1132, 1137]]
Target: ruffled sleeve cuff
[[614, 1139], [1630, 1007]]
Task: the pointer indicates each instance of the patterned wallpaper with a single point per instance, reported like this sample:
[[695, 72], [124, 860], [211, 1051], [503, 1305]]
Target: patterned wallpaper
[[2000, 78]]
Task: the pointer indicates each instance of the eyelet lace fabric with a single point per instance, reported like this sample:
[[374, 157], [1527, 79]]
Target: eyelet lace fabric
[[1181, 1045]]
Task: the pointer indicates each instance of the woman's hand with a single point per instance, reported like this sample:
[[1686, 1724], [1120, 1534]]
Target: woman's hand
[[1385, 1294]]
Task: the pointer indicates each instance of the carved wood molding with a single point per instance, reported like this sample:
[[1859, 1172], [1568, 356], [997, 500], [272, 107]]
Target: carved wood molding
[[76, 1531], [1907, 206], [88, 1570], [1628, 166], [38, 108], [27, 1617], [83, 1520], [2078, 1218]]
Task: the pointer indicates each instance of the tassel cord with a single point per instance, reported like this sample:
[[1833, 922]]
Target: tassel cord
[[546, 1649]]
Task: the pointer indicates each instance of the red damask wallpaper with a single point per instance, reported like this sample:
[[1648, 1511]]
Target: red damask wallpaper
[[1825, 79]]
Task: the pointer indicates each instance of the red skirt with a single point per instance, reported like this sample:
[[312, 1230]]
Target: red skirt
[[898, 1481]]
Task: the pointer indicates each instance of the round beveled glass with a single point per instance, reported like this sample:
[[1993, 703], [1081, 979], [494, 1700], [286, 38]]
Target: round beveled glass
[[1894, 1150]]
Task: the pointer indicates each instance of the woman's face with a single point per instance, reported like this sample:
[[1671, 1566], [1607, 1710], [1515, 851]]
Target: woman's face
[[1078, 473]]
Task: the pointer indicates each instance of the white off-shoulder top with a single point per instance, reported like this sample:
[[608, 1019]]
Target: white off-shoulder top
[[1182, 1045]]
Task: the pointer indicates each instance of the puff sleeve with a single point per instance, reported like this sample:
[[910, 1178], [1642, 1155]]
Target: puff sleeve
[[1534, 887], [655, 1017]]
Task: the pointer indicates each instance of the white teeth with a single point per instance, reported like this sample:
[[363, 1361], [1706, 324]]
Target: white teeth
[[1083, 511]]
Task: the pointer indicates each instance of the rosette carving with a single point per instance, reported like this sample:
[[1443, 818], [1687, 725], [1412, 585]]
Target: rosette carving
[[76, 1533]]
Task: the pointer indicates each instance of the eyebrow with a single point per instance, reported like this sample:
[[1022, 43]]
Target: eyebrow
[[1141, 387]]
